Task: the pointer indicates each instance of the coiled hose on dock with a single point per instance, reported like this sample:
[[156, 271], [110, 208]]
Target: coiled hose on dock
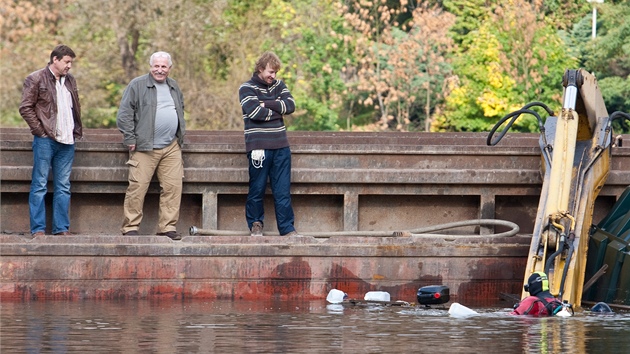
[[421, 232]]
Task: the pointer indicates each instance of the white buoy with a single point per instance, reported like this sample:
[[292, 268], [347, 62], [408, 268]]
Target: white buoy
[[458, 310], [377, 296], [564, 313], [335, 296]]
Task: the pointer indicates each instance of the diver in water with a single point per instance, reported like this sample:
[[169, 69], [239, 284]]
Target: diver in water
[[540, 302], [602, 307]]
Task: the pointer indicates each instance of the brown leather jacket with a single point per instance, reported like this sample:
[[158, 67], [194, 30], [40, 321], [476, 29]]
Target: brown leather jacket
[[39, 103]]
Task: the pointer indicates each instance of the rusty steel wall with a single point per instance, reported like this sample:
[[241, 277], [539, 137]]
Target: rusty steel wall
[[361, 182], [340, 181], [237, 268]]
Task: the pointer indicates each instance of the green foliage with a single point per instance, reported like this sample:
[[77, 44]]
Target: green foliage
[[11, 118], [315, 52], [350, 64], [577, 40], [318, 117], [563, 14], [471, 14], [97, 117], [616, 93], [104, 116], [608, 56], [514, 59], [609, 53], [484, 92]]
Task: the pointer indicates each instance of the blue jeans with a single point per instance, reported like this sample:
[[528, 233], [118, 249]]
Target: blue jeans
[[276, 168], [47, 154]]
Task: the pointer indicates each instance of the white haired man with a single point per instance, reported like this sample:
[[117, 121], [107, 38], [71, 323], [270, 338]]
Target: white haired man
[[151, 118]]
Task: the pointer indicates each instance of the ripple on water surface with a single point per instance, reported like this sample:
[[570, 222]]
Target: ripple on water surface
[[203, 326]]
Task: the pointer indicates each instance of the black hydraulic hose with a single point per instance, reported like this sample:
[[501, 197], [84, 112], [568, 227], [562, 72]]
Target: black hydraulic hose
[[566, 268], [515, 115], [539, 104], [580, 183], [552, 257], [619, 115]]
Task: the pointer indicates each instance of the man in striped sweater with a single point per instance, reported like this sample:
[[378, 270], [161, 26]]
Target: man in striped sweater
[[265, 101]]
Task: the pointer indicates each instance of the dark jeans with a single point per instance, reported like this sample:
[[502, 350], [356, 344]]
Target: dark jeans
[[276, 167]]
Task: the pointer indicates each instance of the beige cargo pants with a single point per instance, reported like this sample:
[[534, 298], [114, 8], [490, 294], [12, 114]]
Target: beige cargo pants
[[168, 165]]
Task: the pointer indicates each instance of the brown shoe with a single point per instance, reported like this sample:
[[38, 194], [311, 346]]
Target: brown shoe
[[131, 233], [38, 233], [257, 229], [293, 234], [63, 233], [171, 234]]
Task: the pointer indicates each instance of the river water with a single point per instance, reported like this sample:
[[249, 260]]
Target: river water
[[205, 326]]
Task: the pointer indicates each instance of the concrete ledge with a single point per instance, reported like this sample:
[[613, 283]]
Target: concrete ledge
[[338, 246]]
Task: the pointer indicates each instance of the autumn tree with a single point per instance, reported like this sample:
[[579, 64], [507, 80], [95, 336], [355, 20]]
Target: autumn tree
[[514, 58], [415, 67], [315, 51], [351, 64], [127, 32], [403, 65], [563, 13], [29, 30]]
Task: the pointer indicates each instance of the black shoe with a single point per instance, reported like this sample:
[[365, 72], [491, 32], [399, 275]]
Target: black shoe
[[171, 234], [131, 233]]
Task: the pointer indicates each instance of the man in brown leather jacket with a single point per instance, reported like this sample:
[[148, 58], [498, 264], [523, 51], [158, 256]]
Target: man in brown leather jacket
[[50, 106]]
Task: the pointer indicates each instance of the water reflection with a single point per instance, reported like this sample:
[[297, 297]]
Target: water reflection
[[294, 327]]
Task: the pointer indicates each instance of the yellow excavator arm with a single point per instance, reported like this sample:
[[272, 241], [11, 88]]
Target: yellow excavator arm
[[576, 153], [575, 170]]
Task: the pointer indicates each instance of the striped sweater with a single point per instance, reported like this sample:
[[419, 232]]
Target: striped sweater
[[264, 126]]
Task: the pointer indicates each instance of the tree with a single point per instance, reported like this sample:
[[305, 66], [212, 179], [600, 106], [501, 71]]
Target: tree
[[122, 35], [513, 59], [608, 56], [384, 64], [470, 15], [402, 65], [315, 51], [29, 30], [563, 14]]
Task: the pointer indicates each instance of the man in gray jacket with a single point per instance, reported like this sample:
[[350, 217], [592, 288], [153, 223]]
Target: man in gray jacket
[[151, 118]]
